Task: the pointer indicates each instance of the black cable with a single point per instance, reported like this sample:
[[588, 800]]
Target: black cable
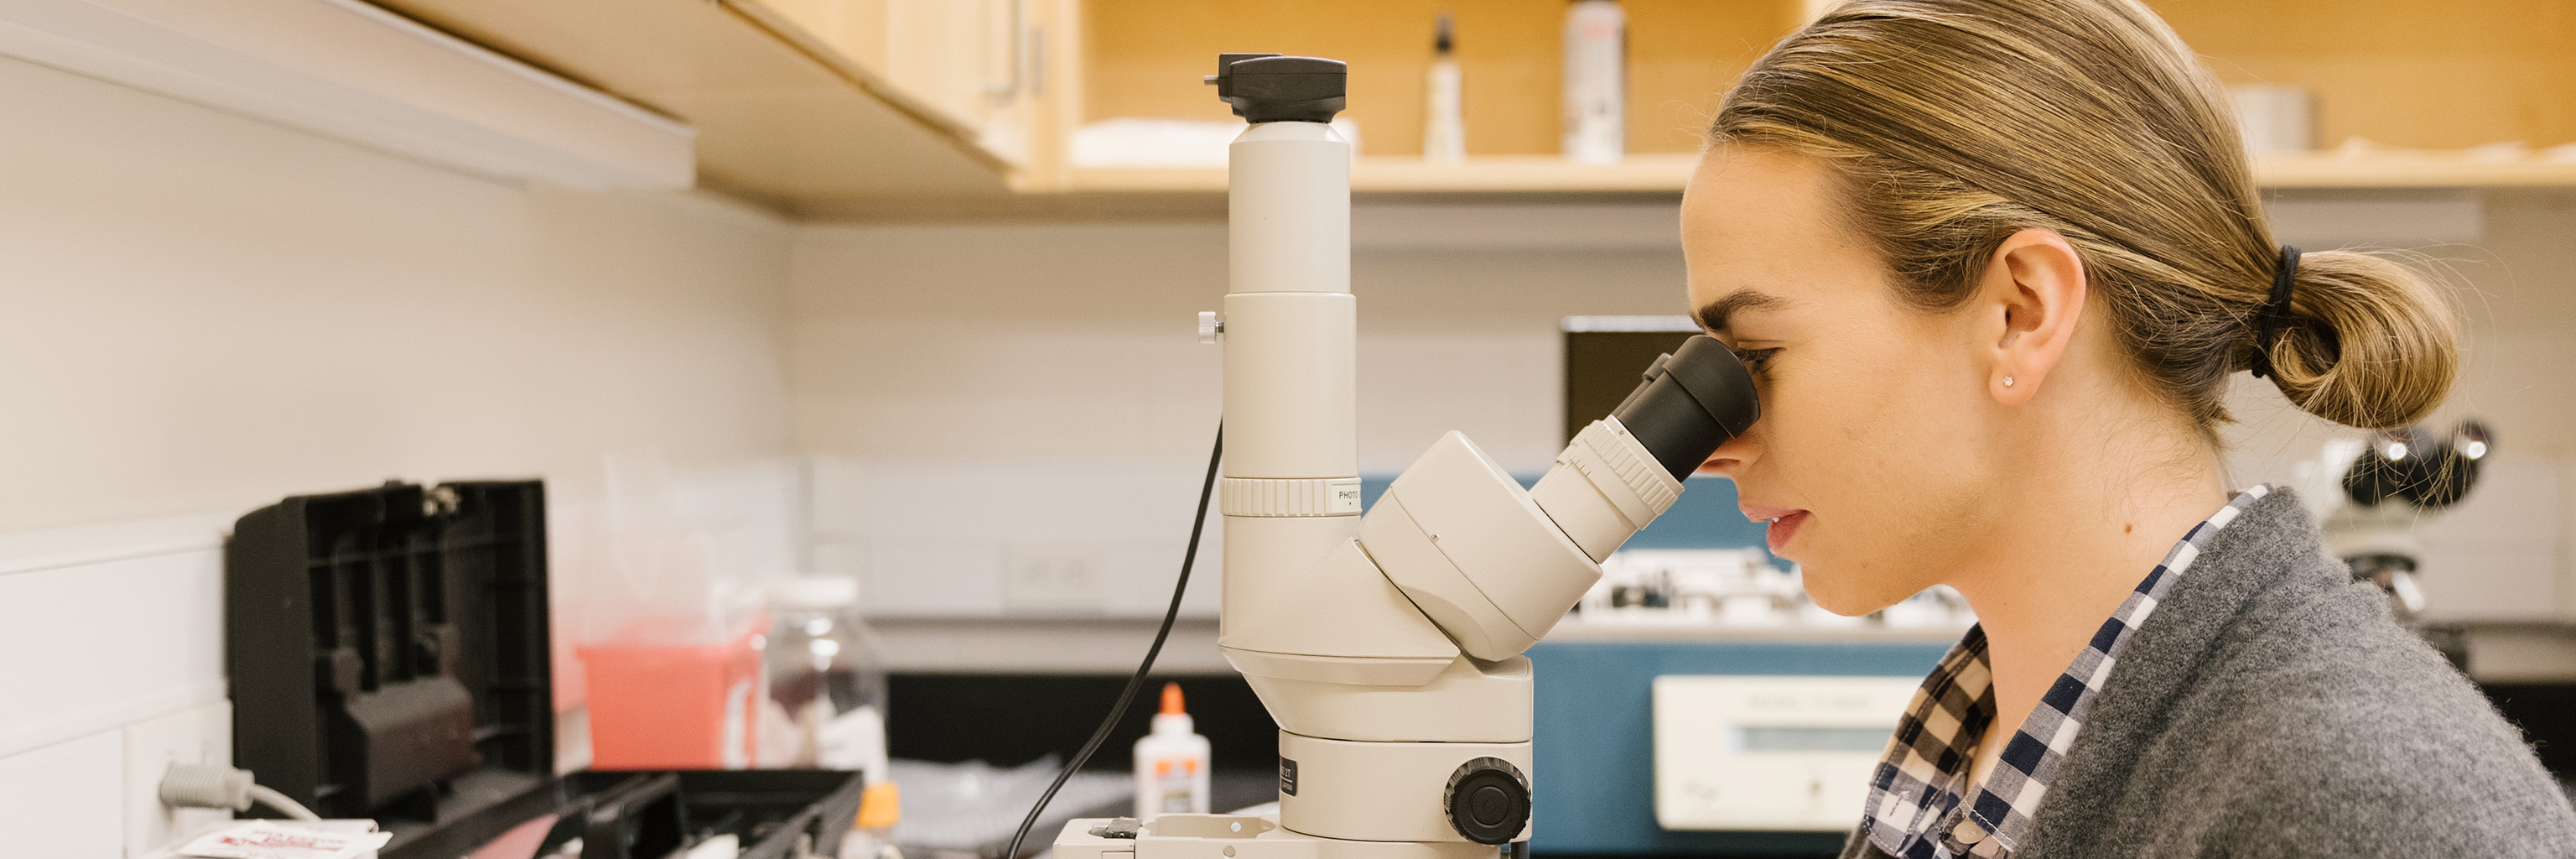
[[1198, 522]]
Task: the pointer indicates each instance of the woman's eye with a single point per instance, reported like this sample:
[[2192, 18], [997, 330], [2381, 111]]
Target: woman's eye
[[1756, 361]]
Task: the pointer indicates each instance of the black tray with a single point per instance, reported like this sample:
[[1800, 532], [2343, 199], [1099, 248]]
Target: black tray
[[649, 815]]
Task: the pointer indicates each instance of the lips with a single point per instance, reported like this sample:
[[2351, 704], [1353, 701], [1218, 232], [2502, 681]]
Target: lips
[[1783, 522]]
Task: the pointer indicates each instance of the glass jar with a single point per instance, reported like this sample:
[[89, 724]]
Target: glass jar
[[826, 678]]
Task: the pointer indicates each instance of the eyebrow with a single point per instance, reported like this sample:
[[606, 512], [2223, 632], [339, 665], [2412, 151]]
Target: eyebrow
[[1715, 316]]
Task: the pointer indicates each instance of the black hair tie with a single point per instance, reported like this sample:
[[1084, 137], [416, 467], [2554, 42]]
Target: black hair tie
[[2276, 309]]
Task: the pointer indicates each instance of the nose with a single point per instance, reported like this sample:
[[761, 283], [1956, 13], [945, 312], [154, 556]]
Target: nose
[[1738, 453]]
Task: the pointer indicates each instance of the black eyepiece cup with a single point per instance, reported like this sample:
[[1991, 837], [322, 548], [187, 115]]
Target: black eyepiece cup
[[1693, 400]]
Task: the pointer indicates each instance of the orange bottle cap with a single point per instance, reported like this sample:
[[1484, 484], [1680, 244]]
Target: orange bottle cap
[[880, 806], [1172, 700]]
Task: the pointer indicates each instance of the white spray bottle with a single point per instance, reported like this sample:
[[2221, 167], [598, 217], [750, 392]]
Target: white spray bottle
[[1444, 124], [1596, 81]]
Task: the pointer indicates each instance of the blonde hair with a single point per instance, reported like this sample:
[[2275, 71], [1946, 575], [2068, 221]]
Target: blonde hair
[[1952, 124]]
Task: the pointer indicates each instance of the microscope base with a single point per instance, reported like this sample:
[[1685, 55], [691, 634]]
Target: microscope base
[[1240, 836]]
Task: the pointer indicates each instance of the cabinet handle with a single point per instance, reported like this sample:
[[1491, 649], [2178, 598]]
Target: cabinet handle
[[1004, 93], [1037, 60]]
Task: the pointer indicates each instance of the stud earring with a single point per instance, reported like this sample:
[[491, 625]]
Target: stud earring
[[2008, 381]]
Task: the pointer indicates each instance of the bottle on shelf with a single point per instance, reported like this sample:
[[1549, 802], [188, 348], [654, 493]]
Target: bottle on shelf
[[1171, 762], [826, 673], [1596, 81], [1444, 124]]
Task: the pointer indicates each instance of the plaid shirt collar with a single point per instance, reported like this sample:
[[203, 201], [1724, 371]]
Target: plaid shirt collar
[[1918, 801]]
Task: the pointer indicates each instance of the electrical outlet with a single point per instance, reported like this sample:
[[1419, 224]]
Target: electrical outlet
[[1054, 577], [198, 735]]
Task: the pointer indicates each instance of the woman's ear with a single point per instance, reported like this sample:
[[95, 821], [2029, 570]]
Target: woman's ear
[[2034, 291]]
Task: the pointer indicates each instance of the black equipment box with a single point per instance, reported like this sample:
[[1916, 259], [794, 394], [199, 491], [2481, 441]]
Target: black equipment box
[[389, 656]]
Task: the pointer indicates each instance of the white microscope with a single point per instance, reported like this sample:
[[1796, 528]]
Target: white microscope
[[1387, 645]]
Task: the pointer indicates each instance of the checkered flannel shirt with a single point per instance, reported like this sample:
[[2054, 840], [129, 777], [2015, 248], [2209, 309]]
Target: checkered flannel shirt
[[1917, 798]]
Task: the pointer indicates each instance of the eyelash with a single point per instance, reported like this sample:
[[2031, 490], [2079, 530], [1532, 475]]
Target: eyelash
[[1756, 361]]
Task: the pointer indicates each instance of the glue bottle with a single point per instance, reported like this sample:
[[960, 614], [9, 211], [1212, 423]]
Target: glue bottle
[[871, 836], [1171, 762]]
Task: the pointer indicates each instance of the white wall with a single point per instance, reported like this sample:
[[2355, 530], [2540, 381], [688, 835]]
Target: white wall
[[1065, 353], [201, 313], [982, 398]]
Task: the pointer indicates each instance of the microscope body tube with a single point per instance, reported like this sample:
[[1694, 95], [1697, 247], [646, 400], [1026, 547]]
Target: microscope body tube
[[1289, 315], [1291, 489]]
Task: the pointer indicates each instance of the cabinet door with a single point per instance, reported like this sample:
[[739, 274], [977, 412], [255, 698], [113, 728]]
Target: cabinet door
[[969, 59], [950, 54], [969, 65]]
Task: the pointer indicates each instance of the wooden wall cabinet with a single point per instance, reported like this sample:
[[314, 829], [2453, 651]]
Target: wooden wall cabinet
[[974, 65], [808, 106], [893, 106], [2424, 81]]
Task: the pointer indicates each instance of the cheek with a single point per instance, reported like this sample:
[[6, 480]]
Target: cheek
[[1874, 449]]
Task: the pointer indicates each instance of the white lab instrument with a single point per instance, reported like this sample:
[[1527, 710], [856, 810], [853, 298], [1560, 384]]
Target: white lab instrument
[[1596, 81], [2274, 118], [1387, 646], [1782, 753]]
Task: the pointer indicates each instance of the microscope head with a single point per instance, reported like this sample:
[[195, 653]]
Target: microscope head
[[1276, 88], [1496, 567], [2412, 465]]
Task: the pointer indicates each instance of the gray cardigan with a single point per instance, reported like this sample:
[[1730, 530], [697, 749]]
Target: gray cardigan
[[2271, 708]]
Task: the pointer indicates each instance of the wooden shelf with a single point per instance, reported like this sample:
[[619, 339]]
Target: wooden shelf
[[1143, 58], [2410, 170], [1649, 172], [1668, 172], [1396, 174]]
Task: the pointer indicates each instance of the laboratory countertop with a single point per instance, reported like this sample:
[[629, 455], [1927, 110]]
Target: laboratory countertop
[[1572, 631]]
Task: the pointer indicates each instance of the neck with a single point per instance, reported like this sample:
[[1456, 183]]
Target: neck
[[2087, 513]]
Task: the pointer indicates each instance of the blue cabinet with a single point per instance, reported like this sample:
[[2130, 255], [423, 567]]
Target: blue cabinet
[[1594, 761]]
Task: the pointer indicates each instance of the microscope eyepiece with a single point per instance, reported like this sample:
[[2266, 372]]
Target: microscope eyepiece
[[1691, 401]]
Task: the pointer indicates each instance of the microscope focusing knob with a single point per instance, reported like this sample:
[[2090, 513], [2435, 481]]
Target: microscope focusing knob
[[1488, 800]]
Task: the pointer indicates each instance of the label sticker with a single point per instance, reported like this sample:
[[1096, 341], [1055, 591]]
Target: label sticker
[[1345, 497], [1287, 777], [264, 839]]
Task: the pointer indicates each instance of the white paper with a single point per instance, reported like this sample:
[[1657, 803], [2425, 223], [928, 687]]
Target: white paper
[[267, 839]]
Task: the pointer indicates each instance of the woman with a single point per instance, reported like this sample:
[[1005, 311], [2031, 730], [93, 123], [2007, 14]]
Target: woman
[[1992, 263]]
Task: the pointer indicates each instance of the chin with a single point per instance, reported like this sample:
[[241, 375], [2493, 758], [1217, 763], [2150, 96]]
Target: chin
[[1849, 599]]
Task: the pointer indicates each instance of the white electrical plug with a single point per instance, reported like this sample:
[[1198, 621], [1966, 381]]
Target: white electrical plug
[[217, 786]]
